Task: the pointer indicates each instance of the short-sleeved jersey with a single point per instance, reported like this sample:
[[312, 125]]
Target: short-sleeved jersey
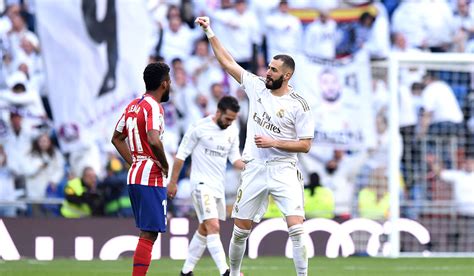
[[142, 115], [286, 117], [210, 147]]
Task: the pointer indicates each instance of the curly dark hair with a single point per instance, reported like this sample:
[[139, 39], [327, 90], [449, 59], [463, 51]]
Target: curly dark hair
[[155, 74]]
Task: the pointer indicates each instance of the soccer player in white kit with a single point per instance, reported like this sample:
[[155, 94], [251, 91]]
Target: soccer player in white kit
[[279, 126], [210, 141]]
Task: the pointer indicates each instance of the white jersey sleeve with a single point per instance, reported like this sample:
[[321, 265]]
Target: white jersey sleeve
[[304, 123], [252, 84], [120, 124], [234, 153], [188, 143]]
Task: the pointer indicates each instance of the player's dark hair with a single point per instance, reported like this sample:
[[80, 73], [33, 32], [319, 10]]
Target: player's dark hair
[[287, 61], [155, 74], [228, 102]]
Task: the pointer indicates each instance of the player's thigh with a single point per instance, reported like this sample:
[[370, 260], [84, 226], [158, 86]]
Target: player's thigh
[[286, 187], [252, 196], [149, 207], [206, 205]]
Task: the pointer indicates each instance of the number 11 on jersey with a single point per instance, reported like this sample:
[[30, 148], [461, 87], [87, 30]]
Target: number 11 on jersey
[[134, 138]]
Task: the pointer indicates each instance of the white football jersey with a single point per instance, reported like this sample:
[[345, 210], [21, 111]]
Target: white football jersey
[[210, 147], [287, 117]]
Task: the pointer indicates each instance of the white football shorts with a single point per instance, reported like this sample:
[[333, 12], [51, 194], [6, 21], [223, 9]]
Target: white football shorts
[[280, 179], [207, 206]]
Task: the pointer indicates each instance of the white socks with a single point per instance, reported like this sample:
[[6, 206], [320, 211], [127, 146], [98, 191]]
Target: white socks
[[300, 258], [214, 245], [237, 249], [195, 250]]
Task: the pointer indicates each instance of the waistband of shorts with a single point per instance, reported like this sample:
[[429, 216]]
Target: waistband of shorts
[[272, 162]]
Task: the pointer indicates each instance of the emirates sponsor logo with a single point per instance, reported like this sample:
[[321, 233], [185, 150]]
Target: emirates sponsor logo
[[264, 121]]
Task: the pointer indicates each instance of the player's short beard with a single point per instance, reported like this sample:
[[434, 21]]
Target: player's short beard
[[275, 83], [221, 124], [166, 96]]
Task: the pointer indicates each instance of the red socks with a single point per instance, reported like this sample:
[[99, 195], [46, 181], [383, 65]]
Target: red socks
[[142, 257]]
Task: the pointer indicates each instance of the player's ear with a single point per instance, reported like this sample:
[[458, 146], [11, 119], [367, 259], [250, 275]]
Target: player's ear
[[164, 84]]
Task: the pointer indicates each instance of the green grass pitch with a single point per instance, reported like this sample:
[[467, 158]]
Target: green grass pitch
[[262, 266]]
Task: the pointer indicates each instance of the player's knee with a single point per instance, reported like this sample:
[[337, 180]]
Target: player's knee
[[296, 234], [152, 236], [212, 228], [240, 235]]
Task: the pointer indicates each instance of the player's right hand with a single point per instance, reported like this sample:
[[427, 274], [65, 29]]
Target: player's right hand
[[203, 21]]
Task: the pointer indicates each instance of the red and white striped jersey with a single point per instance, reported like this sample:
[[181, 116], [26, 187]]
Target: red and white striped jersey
[[140, 116]]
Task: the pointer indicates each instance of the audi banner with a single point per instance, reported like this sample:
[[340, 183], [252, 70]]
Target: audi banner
[[111, 238]]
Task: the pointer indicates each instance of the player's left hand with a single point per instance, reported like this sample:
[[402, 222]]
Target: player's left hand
[[172, 189], [264, 141]]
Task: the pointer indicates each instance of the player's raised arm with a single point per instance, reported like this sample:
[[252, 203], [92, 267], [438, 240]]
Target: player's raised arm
[[221, 53]]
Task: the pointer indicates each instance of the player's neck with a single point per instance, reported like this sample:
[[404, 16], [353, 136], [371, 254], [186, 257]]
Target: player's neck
[[154, 95], [283, 90]]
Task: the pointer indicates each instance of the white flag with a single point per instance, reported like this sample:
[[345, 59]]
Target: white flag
[[95, 52]]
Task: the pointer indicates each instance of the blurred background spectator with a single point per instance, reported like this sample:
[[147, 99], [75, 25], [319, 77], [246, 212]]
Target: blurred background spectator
[[114, 188], [44, 169], [320, 37], [82, 196]]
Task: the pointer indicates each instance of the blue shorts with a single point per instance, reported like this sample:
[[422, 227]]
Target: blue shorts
[[149, 207]]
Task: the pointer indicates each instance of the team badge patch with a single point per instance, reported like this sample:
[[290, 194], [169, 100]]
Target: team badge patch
[[280, 113]]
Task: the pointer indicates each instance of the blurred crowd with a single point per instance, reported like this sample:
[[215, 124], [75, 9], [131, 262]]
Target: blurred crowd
[[436, 107]]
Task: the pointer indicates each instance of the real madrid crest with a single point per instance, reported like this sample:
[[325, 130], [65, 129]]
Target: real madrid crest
[[280, 113]]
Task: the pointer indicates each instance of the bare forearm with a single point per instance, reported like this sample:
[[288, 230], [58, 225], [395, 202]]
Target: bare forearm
[[177, 166], [118, 140], [157, 148], [293, 146], [222, 55], [123, 150], [159, 152]]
